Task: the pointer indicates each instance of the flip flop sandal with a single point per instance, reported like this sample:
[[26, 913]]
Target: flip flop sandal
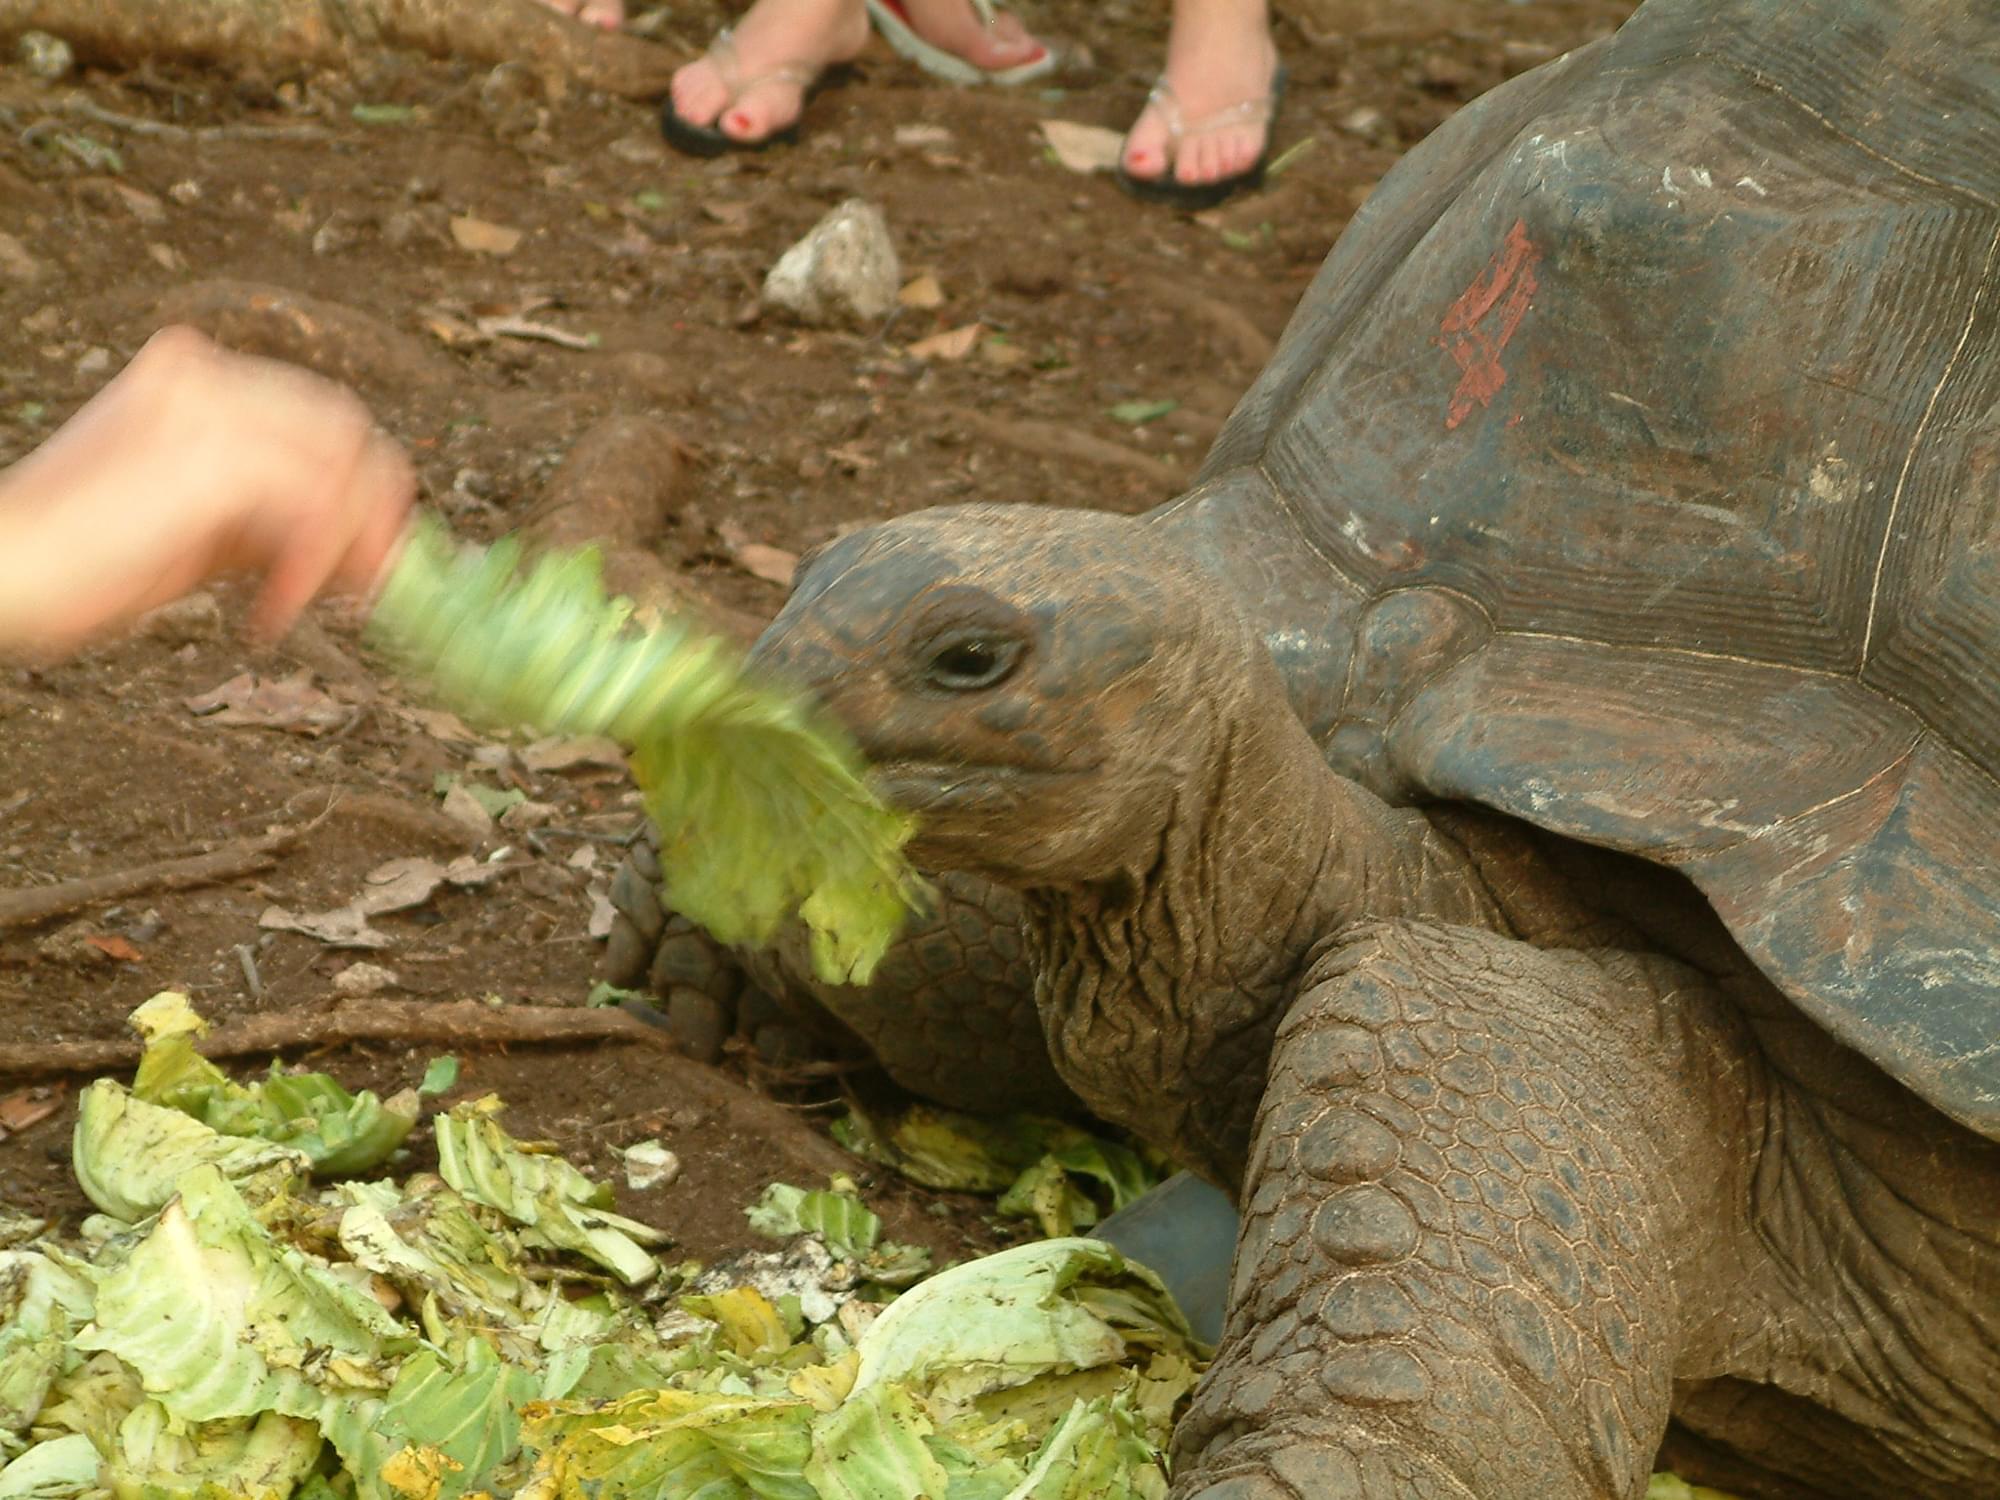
[[892, 19], [711, 140], [1198, 195]]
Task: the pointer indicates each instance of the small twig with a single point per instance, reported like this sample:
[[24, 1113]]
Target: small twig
[[459, 1023], [248, 961], [25, 908], [137, 125]]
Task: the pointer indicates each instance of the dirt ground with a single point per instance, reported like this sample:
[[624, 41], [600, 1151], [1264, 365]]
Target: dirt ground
[[1087, 301]]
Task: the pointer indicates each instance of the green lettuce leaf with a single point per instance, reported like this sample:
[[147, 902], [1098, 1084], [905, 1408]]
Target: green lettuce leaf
[[446, 1430], [872, 1447], [130, 1156], [252, 1458], [41, 1307], [556, 1202], [60, 1469], [341, 1134], [691, 1445], [757, 794], [1004, 1319], [220, 1319]]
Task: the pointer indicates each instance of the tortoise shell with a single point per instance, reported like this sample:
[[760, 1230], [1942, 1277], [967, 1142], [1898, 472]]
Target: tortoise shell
[[1633, 467]]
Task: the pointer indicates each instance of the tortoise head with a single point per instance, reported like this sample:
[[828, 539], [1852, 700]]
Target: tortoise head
[[1035, 684]]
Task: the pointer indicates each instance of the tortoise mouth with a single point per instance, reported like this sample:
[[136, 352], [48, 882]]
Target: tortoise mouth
[[929, 788]]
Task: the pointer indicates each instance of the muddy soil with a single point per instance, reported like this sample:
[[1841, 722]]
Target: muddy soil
[[1087, 302]]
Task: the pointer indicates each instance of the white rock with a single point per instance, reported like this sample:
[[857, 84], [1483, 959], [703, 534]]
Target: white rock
[[845, 268], [649, 1165], [45, 56]]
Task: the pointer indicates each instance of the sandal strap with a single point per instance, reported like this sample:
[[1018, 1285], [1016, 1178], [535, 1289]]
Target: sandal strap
[[729, 64], [1180, 128]]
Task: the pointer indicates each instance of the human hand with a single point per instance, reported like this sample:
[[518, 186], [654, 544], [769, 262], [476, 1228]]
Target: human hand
[[194, 462]]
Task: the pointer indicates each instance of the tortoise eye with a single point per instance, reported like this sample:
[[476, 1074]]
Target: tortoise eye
[[970, 662]]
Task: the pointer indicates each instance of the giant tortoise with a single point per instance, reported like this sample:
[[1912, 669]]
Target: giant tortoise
[[1528, 820]]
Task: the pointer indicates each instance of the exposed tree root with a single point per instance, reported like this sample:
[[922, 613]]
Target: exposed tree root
[[1236, 335], [463, 1024], [1052, 439], [290, 34], [459, 1023], [618, 491], [26, 907], [340, 342]]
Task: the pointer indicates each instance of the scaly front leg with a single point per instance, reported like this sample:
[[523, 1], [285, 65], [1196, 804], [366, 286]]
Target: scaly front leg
[[1464, 1202]]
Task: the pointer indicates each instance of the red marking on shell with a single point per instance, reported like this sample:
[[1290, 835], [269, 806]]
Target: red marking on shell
[[1478, 325]]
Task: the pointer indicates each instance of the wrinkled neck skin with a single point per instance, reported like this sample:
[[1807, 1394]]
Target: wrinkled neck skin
[[1160, 986]]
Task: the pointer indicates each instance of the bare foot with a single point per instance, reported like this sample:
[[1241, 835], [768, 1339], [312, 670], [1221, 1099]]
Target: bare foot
[[776, 44], [610, 14], [1220, 57], [954, 26]]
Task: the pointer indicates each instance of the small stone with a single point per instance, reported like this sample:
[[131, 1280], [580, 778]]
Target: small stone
[[341, 232], [193, 617], [640, 150], [844, 269], [1366, 122], [93, 361], [185, 192], [365, 979], [16, 264], [698, 1022], [45, 56], [66, 946]]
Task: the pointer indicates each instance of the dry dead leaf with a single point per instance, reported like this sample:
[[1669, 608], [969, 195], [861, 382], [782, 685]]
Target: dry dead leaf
[[955, 343], [398, 885], [116, 947], [467, 811], [1083, 148], [850, 456], [440, 725], [602, 912], [734, 217], [453, 333], [483, 237], [291, 703], [922, 292], [922, 135], [1006, 356], [343, 928], [25, 1107], [528, 328], [565, 753]]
